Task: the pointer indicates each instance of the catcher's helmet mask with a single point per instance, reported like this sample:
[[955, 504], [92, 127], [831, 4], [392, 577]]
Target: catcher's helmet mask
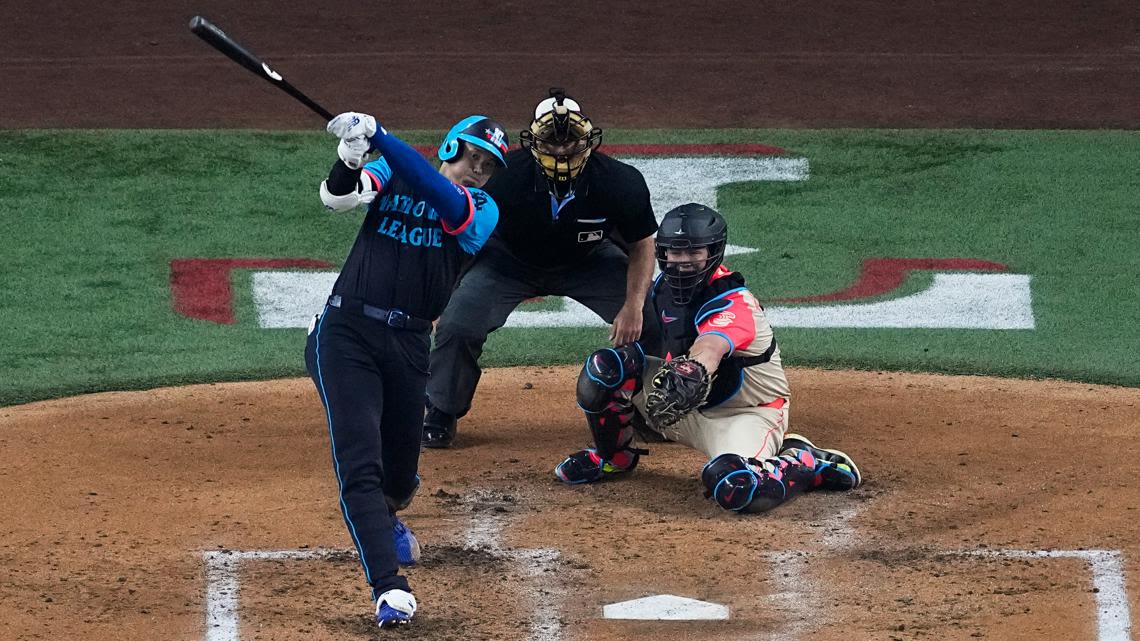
[[689, 227], [561, 139]]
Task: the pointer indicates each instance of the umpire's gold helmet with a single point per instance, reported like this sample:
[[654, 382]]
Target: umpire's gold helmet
[[561, 139]]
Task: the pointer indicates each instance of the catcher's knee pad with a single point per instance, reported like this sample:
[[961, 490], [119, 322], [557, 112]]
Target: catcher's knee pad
[[730, 481], [605, 373], [738, 485]]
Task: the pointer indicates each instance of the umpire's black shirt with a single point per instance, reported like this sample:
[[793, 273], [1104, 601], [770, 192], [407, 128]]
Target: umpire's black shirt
[[609, 195]]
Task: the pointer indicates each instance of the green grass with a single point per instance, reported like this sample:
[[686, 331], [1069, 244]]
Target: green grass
[[92, 219]]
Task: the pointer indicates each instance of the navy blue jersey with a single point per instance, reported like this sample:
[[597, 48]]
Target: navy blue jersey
[[405, 257], [544, 232]]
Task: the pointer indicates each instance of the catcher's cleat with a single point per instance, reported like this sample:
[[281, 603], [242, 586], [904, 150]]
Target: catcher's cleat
[[834, 470], [585, 466], [439, 429], [395, 607], [407, 546]]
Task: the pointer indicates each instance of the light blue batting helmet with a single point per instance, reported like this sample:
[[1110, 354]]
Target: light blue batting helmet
[[480, 131]]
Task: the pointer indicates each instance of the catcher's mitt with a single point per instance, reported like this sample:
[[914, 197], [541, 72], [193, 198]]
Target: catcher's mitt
[[680, 386]]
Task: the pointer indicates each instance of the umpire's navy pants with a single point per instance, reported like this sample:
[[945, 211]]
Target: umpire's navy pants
[[371, 379], [494, 285]]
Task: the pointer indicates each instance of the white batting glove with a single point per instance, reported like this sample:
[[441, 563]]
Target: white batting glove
[[351, 124], [353, 150], [354, 129]]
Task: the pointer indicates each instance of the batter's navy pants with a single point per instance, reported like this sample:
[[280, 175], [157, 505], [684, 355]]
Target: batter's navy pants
[[371, 379], [497, 283]]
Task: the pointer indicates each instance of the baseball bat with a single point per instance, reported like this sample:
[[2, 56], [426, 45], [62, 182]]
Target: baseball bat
[[218, 39]]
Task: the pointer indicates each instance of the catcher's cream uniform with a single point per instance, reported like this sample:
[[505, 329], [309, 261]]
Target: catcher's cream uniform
[[754, 464], [747, 410]]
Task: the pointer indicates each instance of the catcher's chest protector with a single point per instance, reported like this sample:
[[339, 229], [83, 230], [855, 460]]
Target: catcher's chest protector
[[679, 329]]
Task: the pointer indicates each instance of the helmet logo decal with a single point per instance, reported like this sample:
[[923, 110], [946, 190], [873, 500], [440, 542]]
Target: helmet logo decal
[[497, 137]]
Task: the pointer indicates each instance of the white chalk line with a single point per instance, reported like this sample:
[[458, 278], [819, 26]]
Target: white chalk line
[[223, 587], [796, 586], [1114, 618], [288, 299], [795, 591], [539, 566]]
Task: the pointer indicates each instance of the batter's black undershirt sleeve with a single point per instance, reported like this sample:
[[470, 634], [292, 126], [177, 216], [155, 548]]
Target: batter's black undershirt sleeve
[[342, 179]]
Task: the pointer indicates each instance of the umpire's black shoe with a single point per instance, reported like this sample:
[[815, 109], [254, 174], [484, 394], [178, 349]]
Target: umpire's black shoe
[[439, 429]]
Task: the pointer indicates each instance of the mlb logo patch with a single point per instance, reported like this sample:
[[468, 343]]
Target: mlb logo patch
[[592, 236]]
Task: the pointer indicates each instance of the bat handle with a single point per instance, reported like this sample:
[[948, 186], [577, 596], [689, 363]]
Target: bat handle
[[308, 102]]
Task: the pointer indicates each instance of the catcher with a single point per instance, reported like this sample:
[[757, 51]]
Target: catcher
[[721, 388]]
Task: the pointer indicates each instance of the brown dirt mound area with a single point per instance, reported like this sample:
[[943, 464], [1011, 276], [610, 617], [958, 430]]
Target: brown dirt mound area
[[112, 503]]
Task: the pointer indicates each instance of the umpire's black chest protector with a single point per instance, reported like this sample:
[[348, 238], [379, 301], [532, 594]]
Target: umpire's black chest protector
[[549, 234], [679, 331]]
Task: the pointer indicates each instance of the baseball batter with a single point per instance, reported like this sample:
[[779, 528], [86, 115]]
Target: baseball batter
[[720, 389], [562, 203], [367, 352]]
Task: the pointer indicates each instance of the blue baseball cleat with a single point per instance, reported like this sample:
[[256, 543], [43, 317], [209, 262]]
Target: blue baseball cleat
[[407, 547], [395, 607]]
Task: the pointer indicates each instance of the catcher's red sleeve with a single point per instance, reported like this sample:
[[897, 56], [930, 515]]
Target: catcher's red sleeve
[[731, 317]]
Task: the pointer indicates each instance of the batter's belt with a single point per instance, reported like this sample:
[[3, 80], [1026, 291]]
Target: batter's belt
[[395, 318]]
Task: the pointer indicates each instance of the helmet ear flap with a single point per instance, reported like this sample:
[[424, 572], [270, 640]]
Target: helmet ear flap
[[449, 150]]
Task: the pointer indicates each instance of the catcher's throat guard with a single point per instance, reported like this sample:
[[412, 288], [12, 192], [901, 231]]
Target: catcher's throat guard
[[561, 139]]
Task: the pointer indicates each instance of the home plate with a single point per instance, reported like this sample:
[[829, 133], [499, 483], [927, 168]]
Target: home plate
[[665, 607]]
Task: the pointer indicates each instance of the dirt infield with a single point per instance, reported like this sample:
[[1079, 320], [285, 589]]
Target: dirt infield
[[143, 484], [993, 509]]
